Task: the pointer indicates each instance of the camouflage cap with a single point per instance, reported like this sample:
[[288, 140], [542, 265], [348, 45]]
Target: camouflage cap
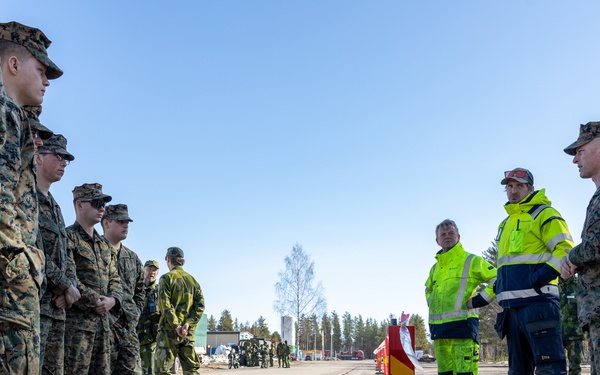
[[174, 252], [521, 175], [587, 132], [90, 191], [58, 144], [33, 112], [151, 263], [117, 212], [34, 40]]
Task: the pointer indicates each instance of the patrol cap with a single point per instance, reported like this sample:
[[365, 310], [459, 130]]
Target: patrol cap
[[117, 212], [151, 263], [34, 40], [33, 112], [521, 175], [587, 132], [90, 191], [174, 252], [58, 145]]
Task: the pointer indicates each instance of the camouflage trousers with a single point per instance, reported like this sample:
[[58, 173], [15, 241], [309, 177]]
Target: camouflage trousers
[[52, 346], [574, 355], [86, 352], [125, 352], [594, 343], [19, 351], [169, 348], [147, 356]]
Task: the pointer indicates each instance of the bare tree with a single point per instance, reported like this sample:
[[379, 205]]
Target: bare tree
[[297, 294]]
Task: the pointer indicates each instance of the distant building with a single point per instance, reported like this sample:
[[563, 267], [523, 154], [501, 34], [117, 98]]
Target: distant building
[[227, 338], [288, 333]]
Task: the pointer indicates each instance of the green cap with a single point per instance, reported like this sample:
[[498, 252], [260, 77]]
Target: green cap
[[151, 263], [58, 145], [34, 40], [174, 252]]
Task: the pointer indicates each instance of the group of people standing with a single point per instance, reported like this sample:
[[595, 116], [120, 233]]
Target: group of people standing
[[541, 278], [74, 301]]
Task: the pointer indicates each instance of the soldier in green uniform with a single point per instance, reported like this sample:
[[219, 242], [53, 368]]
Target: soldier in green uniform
[[181, 305], [61, 289], [280, 354], [572, 333], [125, 347], [148, 323], [87, 336], [286, 355], [271, 354], [23, 58], [264, 354]]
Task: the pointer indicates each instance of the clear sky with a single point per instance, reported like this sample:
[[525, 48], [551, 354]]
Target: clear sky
[[236, 129]]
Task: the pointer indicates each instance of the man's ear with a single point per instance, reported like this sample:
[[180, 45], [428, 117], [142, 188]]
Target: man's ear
[[14, 64]]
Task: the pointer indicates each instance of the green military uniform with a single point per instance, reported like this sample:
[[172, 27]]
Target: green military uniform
[[280, 354], [125, 346], [180, 302], [60, 271], [271, 355], [22, 263], [87, 337], [264, 353], [572, 333], [148, 324], [286, 355]]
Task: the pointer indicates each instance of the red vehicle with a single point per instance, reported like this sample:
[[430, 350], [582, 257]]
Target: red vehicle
[[359, 354]]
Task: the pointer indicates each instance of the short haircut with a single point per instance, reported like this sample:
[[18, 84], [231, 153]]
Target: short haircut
[[444, 224], [8, 49]]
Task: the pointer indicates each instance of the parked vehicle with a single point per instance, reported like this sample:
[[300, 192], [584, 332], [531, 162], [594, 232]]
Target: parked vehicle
[[358, 354], [427, 358], [308, 358]]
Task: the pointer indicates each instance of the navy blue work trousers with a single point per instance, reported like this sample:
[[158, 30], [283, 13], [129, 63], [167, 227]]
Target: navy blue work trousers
[[534, 338]]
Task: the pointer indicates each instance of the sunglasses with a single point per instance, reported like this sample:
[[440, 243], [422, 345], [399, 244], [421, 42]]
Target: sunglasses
[[96, 203], [518, 174]]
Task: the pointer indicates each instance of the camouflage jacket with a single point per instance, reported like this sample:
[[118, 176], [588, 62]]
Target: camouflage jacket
[[571, 329], [180, 301], [586, 256], [97, 275], [60, 267], [22, 263], [148, 323], [131, 272]]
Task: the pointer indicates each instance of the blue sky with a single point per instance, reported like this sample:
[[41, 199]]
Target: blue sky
[[236, 129]]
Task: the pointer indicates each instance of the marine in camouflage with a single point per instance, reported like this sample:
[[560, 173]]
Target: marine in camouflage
[[180, 302], [87, 339]]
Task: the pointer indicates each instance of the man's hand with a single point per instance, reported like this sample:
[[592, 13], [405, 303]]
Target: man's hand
[[567, 269], [60, 301], [72, 295], [182, 331], [104, 304]]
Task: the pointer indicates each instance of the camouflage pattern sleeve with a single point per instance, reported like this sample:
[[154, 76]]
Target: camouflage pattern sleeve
[[88, 295], [71, 271], [197, 307], [114, 280], [168, 317], [139, 294], [588, 252]]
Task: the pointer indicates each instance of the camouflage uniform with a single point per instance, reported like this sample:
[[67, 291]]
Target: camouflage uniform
[[271, 355], [571, 331], [148, 325], [60, 271], [586, 256], [180, 301], [87, 338], [21, 262], [286, 355], [125, 346], [280, 354]]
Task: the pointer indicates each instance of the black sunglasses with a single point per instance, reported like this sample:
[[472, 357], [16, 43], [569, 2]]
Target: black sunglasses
[[96, 203]]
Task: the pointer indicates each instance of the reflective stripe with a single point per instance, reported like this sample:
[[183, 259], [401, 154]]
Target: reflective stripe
[[536, 210], [525, 258], [463, 283], [526, 293], [460, 295], [453, 314], [486, 296], [556, 239]]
